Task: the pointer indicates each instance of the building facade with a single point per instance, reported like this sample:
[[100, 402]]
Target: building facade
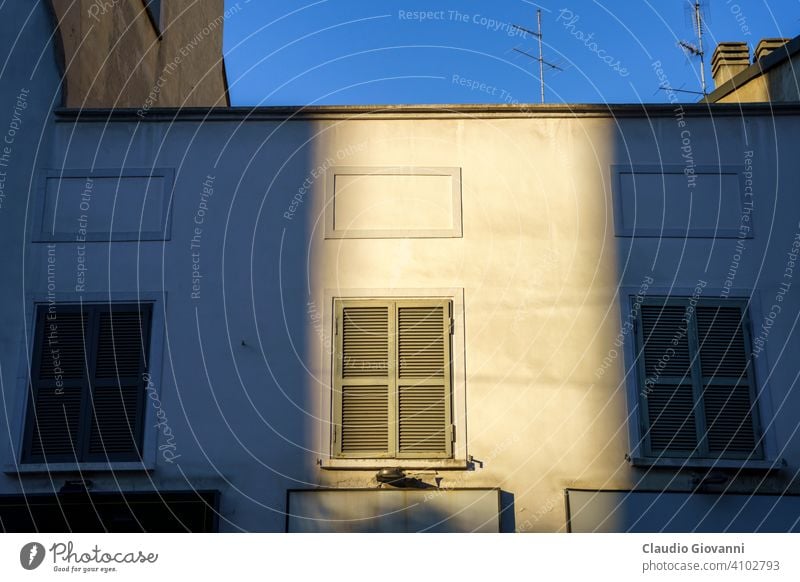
[[531, 319], [444, 318]]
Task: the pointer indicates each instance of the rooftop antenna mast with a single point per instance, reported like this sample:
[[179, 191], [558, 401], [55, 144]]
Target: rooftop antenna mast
[[697, 50], [540, 58]]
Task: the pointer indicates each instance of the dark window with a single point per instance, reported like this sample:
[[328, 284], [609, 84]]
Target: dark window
[[697, 391], [112, 512], [88, 383]]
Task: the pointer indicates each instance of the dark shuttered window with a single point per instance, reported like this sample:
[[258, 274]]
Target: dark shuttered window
[[392, 392], [87, 383], [697, 393]]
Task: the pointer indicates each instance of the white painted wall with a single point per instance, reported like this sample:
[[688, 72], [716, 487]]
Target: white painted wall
[[245, 381]]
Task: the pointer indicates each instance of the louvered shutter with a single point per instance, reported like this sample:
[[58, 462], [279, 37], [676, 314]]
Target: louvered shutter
[[727, 381], [58, 380], [423, 378], [123, 334], [363, 384], [698, 394], [668, 396], [87, 382], [392, 385]]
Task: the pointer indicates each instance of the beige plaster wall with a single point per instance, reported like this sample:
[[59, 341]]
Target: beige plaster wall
[[114, 57]]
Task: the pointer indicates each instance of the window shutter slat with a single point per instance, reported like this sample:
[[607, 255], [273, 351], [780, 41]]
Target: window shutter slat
[[115, 421], [56, 427], [365, 419], [63, 334], [365, 340], [423, 425], [421, 340], [423, 363], [722, 350], [729, 419], [671, 418], [665, 330], [121, 344]]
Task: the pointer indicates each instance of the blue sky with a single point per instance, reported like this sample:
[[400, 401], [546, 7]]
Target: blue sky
[[299, 52]]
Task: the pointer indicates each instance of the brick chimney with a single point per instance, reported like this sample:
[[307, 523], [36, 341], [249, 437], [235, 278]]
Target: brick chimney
[[729, 59], [767, 45]]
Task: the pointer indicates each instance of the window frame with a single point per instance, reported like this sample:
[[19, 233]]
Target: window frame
[[392, 378], [88, 385], [15, 463], [697, 380], [637, 456], [322, 312]]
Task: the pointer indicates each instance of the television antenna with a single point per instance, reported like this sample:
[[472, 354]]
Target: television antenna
[[540, 58], [696, 50]]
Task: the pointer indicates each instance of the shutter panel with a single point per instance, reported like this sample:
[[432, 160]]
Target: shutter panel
[[392, 379], [115, 422], [58, 383], [664, 326], [56, 424], [668, 393], [365, 419], [698, 401], [88, 382], [726, 380], [671, 418], [729, 420], [421, 342], [363, 382], [722, 351], [365, 342], [63, 336], [118, 394], [423, 378], [121, 343]]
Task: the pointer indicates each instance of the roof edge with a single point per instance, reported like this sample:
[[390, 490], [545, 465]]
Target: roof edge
[[427, 111]]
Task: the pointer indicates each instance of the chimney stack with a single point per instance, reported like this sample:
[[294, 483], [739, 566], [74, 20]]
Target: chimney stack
[[730, 58], [767, 45]]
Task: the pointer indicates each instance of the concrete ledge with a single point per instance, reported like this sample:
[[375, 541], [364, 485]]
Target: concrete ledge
[[32, 468], [678, 463], [375, 464], [456, 111]]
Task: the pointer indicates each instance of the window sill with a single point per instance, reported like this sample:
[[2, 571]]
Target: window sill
[[113, 467], [375, 464], [679, 463]]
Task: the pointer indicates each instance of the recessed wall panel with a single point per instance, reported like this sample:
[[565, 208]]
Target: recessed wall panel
[[664, 201], [108, 205], [417, 202], [399, 510]]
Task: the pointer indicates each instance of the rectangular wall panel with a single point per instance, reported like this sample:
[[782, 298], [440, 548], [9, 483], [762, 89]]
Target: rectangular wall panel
[[643, 512], [663, 201], [394, 510], [417, 202], [104, 205]]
